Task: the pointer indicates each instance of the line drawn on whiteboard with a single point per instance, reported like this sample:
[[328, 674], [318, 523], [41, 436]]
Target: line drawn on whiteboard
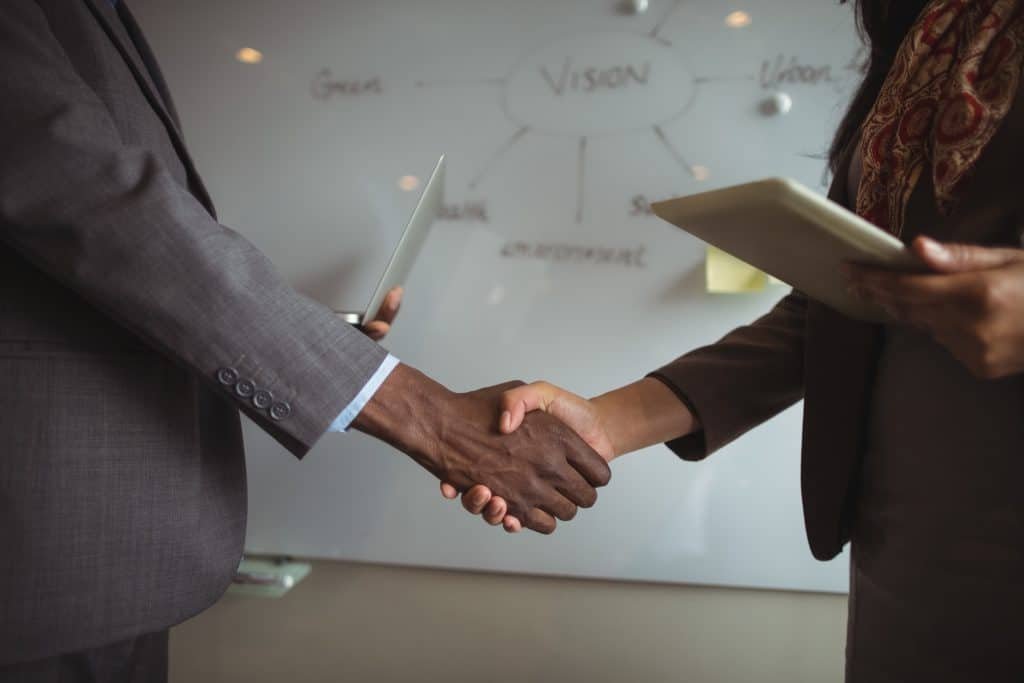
[[500, 152], [675, 153], [580, 176], [661, 23], [570, 87], [455, 82]]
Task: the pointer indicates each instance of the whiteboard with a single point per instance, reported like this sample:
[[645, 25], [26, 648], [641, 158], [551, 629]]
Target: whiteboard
[[562, 120]]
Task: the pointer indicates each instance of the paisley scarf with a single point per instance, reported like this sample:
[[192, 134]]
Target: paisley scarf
[[952, 83]]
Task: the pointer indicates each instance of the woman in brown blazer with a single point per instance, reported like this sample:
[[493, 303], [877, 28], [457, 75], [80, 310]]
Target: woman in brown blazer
[[913, 445]]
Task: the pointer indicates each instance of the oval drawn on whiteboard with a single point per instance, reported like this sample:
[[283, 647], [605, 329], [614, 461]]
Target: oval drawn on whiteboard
[[598, 83]]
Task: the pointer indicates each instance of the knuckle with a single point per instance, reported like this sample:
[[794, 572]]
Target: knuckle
[[958, 253], [989, 296]]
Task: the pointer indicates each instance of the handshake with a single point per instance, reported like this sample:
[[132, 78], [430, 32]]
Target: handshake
[[523, 455]]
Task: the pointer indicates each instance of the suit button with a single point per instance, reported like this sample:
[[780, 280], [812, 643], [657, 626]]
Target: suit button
[[245, 388], [280, 410], [262, 399], [227, 376]]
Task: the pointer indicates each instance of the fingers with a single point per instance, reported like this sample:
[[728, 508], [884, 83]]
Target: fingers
[[376, 330], [583, 460], [516, 403], [495, 511], [578, 490], [591, 466], [540, 521], [558, 506], [889, 288], [479, 500], [389, 309], [476, 499], [960, 258]]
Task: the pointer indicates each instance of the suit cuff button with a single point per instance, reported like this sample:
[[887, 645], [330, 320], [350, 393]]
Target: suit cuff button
[[227, 376], [262, 399], [245, 389], [280, 411]]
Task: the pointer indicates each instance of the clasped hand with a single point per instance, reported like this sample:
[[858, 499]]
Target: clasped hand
[[579, 414], [972, 302]]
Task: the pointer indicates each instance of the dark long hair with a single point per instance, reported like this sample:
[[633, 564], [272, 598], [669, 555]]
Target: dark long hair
[[882, 25]]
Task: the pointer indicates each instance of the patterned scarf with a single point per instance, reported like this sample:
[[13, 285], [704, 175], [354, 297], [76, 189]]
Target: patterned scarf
[[953, 81]]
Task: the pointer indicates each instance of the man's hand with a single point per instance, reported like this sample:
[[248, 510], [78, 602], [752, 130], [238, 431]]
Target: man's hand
[[543, 470], [973, 302], [578, 413], [379, 327]]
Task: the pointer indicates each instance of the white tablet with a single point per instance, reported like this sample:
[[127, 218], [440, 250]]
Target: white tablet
[[792, 233], [409, 246]]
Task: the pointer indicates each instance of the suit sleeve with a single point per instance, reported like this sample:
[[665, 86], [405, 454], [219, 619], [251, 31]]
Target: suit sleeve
[[109, 221], [751, 375]]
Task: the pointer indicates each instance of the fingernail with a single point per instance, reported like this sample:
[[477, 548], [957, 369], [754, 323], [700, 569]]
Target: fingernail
[[506, 421], [933, 248]]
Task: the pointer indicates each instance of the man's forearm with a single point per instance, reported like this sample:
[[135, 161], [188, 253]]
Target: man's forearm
[[643, 414], [405, 413]]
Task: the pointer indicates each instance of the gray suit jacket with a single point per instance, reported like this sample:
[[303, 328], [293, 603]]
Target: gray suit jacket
[[133, 328]]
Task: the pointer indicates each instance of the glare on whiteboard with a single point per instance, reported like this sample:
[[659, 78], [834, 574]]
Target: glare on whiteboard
[[738, 20], [248, 55], [408, 183]]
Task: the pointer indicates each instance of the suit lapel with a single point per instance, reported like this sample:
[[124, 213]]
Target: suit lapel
[[152, 86], [152, 69]]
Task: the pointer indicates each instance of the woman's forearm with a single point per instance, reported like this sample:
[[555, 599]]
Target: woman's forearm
[[643, 414]]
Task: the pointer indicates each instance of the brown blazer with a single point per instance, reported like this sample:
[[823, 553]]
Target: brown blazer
[[804, 349]]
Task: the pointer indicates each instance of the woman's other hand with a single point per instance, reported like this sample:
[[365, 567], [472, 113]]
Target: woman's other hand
[[575, 411], [973, 302]]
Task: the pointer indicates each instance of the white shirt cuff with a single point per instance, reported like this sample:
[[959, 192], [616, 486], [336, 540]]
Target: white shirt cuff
[[343, 421]]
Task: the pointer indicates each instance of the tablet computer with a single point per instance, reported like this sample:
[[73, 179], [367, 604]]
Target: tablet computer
[[793, 234], [408, 248]]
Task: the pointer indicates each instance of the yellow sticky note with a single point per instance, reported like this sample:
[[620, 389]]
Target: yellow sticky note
[[728, 275]]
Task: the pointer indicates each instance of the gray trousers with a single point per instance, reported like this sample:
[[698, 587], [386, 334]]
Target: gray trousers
[[138, 660]]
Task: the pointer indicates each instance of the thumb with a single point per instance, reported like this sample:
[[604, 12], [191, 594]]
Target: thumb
[[962, 258], [516, 403]]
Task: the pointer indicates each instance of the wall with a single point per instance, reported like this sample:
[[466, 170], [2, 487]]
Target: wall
[[350, 622]]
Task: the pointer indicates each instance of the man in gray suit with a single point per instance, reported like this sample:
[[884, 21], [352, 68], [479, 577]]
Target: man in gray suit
[[133, 329]]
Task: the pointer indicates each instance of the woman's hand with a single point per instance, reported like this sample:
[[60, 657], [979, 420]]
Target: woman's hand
[[575, 411], [973, 302], [379, 327]]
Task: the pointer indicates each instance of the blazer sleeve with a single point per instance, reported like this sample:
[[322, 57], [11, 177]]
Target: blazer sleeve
[[109, 221], [751, 375]]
